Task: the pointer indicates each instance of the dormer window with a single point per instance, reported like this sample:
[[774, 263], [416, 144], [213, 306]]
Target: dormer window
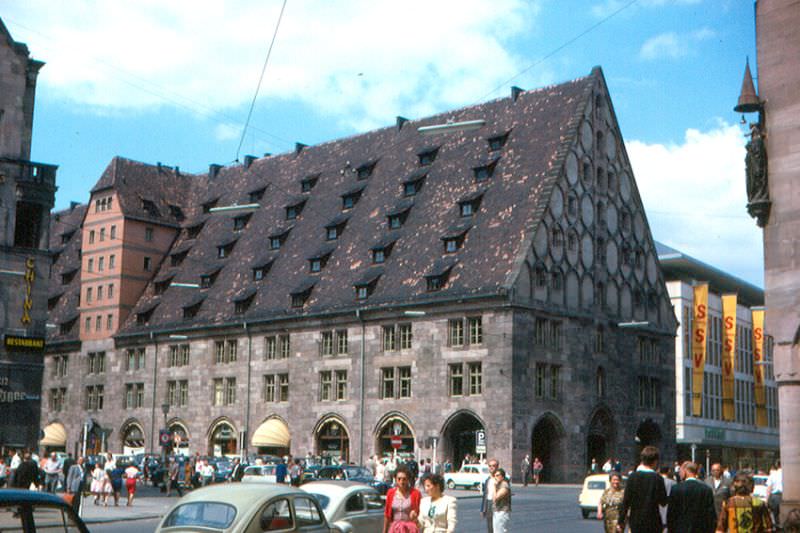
[[225, 250], [484, 172], [413, 185], [67, 277], [316, 265], [383, 249], [366, 285], [379, 255], [191, 310], [242, 302], [397, 217], [276, 240], [65, 237], [193, 231], [208, 279], [469, 206], [176, 212], [161, 286], [317, 261], [454, 239], [428, 156], [257, 195], [436, 283], [308, 183], [143, 317], [365, 171], [177, 258], [150, 208], [260, 271], [451, 245], [240, 222], [437, 278], [66, 327], [294, 209], [351, 197], [301, 294], [335, 227], [497, 142], [209, 205]]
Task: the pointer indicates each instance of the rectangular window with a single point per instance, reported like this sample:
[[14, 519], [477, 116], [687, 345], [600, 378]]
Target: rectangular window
[[555, 382], [475, 379], [285, 347], [112, 261], [405, 336], [599, 340], [405, 381], [134, 395], [101, 264], [183, 398], [325, 385], [268, 392], [94, 398], [341, 385], [389, 339], [455, 330], [219, 391], [148, 234], [456, 379], [147, 264], [109, 322], [270, 347], [342, 346], [475, 330], [539, 385], [89, 295], [387, 383], [100, 292], [283, 387], [327, 344], [225, 351], [110, 290], [172, 393], [230, 391], [96, 362], [113, 232], [90, 265]]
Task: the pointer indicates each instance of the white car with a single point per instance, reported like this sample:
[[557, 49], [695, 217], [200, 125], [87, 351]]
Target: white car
[[349, 505], [260, 474], [469, 477], [760, 486]]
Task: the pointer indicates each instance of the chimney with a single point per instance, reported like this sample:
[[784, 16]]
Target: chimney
[[515, 92], [213, 170], [248, 160], [177, 170], [267, 154], [158, 166], [298, 147], [400, 122], [73, 205]]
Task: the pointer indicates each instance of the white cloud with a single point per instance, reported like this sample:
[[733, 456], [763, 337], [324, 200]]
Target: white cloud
[[226, 132], [694, 195], [360, 61], [671, 45], [608, 7]]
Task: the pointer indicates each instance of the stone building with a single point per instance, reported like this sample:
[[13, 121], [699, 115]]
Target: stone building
[[487, 269], [26, 195], [773, 198], [740, 443]]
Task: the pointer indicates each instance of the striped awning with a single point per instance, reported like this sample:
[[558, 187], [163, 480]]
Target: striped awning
[[54, 435], [272, 434]]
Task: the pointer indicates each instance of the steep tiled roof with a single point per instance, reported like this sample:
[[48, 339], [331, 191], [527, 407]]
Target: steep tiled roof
[[375, 165], [63, 298]]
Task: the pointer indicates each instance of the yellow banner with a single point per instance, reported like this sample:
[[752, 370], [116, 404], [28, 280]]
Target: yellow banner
[[758, 367], [699, 330], [728, 356]]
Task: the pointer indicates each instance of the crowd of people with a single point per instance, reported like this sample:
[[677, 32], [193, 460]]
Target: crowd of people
[[653, 501]]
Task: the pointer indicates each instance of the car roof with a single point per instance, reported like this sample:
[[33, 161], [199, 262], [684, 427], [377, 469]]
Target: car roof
[[475, 464], [335, 485], [18, 495], [597, 477], [240, 495]]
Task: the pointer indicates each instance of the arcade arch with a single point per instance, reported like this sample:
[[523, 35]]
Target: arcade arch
[[548, 444], [395, 425], [222, 439], [332, 439], [459, 437]]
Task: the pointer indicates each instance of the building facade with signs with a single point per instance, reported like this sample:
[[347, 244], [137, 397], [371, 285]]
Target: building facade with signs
[[742, 442], [26, 196], [406, 288]]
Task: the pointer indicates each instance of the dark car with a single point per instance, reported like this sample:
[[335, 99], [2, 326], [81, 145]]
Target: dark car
[[29, 511], [352, 473]]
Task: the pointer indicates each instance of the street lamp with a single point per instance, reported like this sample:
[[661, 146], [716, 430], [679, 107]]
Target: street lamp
[[165, 410]]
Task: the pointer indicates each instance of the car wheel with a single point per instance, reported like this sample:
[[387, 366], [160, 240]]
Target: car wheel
[[585, 513], [451, 484]]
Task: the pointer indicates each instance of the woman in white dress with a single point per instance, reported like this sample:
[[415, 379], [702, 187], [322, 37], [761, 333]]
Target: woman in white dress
[[437, 511], [98, 483]]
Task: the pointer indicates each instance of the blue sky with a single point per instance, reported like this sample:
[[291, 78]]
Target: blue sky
[[172, 82]]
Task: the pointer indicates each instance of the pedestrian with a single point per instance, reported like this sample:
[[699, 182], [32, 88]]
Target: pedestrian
[[27, 473], [437, 511], [174, 472], [131, 477], [691, 504], [501, 511], [3, 473], [607, 466], [295, 473], [618, 466], [370, 465], [280, 472], [115, 475], [380, 471], [594, 468], [402, 504], [669, 482], [52, 473], [98, 483], [609, 508], [74, 484], [237, 472], [525, 469], [208, 473], [775, 492], [487, 489], [66, 465], [538, 466], [110, 463], [720, 486], [742, 512], [644, 492]]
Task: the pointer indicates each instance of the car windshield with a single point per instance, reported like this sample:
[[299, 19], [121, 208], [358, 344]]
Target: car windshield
[[323, 500], [354, 471], [213, 515]]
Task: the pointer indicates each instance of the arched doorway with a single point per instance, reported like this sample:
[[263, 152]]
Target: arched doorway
[[399, 427], [547, 443], [272, 437], [222, 439], [459, 438], [333, 440], [600, 437], [180, 438], [132, 437]]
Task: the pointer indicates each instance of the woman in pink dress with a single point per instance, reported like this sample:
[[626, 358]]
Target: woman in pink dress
[[402, 504]]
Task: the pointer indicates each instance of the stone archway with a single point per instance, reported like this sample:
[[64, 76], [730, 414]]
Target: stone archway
[[222, 439], [132, 438], [332, 439], [600, 437], [395, 425], [458, 437], [180, 437], [548, 443]]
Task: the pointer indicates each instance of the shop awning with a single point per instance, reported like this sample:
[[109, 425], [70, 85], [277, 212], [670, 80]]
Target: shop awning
[[54, 435], [272, 434]]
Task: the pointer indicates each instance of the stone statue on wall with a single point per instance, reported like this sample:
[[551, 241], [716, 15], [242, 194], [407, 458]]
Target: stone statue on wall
[[758, 203]]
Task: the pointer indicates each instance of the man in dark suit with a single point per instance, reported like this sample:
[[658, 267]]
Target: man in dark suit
[[691, 504], [27, 473], [644, 492], [720, 486]]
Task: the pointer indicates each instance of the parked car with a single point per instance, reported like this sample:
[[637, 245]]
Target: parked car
[[470, 476], [350, 506], [29, 511], [593, 487], [760, 486], [351, 473], [259, 474], [241, 507]]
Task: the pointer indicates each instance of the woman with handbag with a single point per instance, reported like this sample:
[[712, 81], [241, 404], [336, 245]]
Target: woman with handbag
[[609, 507], [402, 504]]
